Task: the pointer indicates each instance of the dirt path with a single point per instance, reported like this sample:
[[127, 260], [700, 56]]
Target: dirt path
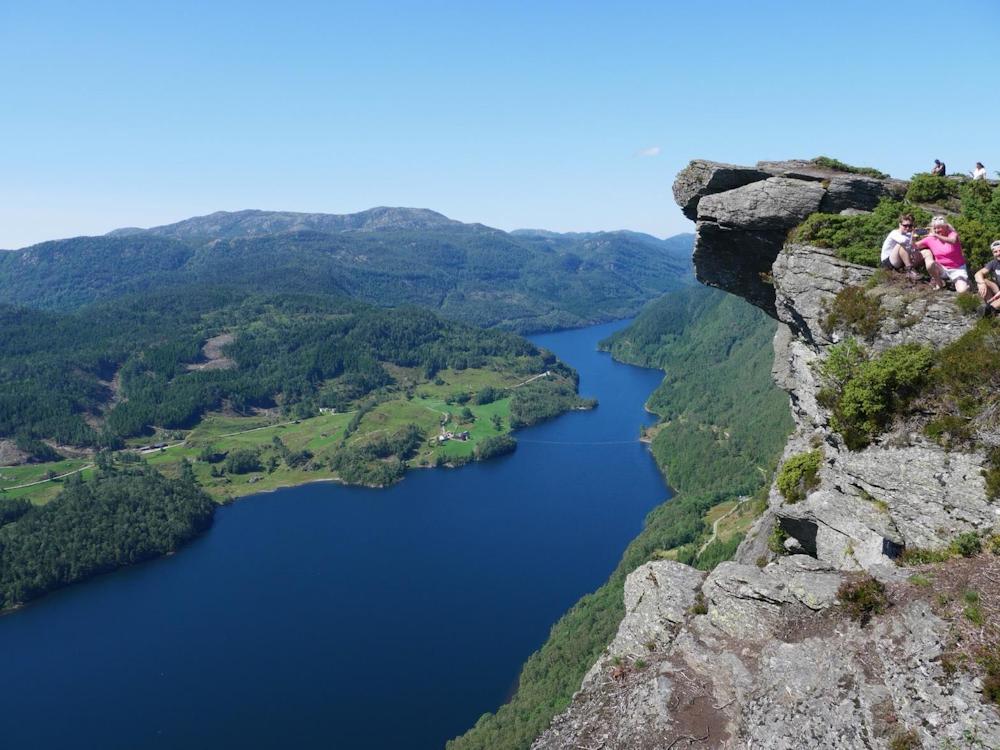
[[534, 377], [715, 526], [49, 479]]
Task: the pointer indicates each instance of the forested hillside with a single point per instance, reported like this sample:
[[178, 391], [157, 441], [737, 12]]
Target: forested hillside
[[719, 401], [723, 415], [523, 281], [120, 517], [101, 374]]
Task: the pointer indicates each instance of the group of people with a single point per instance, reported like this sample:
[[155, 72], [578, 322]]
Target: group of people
[[939, 251], [978, 173]]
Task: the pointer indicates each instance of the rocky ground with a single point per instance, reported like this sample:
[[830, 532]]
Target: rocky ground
[[761, 652]]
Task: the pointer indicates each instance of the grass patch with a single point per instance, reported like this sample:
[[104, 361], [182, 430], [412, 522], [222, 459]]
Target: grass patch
[[835, 164], [967, 302], [967, 544]]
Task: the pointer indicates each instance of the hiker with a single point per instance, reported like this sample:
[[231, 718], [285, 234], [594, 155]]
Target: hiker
[[943, 257], [939, 169], [979, 173], [897, 249], [988, 283]]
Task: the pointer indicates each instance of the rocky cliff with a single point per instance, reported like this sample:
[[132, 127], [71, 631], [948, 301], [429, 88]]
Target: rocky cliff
[[762, 652]]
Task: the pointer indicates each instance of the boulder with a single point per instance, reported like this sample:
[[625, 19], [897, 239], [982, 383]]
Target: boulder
[[854, 192], [701, 178], [777, 203]]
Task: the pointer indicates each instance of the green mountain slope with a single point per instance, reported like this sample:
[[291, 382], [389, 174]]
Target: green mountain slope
[[523, 281]]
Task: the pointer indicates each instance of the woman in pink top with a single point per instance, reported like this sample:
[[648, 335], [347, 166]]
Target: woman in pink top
[[942, 253]]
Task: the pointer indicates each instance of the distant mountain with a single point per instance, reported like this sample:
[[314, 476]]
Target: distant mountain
[[252, 223], [525, 280]]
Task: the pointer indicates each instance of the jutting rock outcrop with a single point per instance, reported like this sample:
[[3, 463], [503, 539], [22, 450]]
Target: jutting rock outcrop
[[743, 215], [761, 652]]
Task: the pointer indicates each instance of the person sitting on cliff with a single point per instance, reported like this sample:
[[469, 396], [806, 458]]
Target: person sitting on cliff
[[942, 253], [979, 173], [939, 170], [988, 283], [897, 250]]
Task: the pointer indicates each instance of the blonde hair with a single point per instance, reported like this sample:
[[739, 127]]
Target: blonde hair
[[939, 220]]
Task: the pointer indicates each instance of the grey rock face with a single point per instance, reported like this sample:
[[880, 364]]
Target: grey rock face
[[807, 278], [776, 203], [701, 178], [746, 602], [740, 232], [776, 663], [856, 193], [742, 227]]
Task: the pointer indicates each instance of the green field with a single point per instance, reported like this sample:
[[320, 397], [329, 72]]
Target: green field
[[428, 405]]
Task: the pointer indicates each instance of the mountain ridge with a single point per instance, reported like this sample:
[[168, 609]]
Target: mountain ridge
[[386, 256]]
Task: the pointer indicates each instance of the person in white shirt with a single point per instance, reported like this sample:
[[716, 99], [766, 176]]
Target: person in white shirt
[[979, 173], [897, 250]]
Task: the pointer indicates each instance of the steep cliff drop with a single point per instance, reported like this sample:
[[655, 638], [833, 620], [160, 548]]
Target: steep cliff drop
[[814, 636]]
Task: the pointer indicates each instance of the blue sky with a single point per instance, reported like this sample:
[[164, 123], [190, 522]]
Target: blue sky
[[569, 116]]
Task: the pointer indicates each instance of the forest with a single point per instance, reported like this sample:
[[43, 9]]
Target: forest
[[123, 516], [96, 376]]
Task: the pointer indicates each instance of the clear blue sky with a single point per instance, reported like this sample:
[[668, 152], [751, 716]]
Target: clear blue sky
[[559, 115]]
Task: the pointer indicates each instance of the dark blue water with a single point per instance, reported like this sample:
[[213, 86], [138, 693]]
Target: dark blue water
[[341, 617]]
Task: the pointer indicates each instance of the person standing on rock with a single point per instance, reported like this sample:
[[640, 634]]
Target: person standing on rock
[[988, 283], [897, 250], [979, 173], [939, 170], [943, 257]]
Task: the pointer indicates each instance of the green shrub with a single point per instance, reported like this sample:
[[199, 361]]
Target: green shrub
[[842, 363], [879, 389], [967, 544], [854, 310], [858, 238], [980, 221], [976, 238], [835, 164], [966, 373], [798, 475], [863, 597], [776, 541], [929, 188]]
